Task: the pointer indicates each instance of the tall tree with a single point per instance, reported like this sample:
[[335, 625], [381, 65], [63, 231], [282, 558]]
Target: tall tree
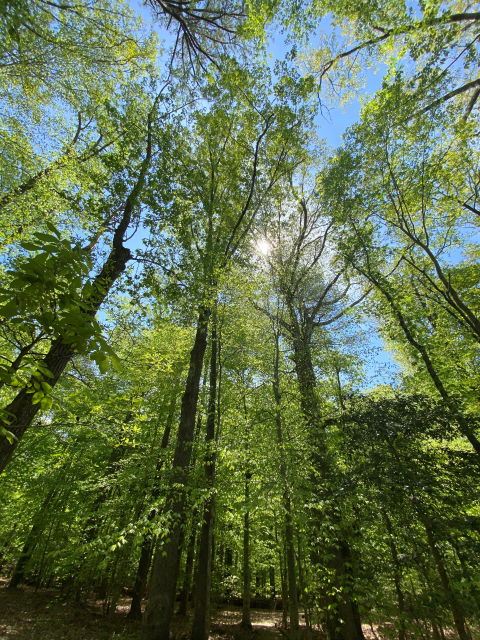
[[313, 301], [220, 191]]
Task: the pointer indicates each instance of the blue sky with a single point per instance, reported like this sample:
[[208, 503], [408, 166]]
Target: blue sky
[[330, 126]]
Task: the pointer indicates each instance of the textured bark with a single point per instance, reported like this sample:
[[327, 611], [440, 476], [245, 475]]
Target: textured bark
[[201, 616], [159, 611], [21, 412]]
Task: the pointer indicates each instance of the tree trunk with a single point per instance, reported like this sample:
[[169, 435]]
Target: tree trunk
[[345, 623], [187, 582], [21, 412], [271, 580], [289, 538], [455, 606], [291, 571], [397, 577], [283, 578], [283, 582], [160, 606], [466, 574], [201, 617], [148, 543], [195, 574], [246, 622], [146, 553], [450, 402], [31, 542]]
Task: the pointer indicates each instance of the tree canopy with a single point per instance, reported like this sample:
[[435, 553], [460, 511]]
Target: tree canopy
[[197, 300]]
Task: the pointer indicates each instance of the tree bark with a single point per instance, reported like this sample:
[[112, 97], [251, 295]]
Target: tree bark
[[148, 543], [246, 623], [289, 537], [201, 616], [31, 542], [21, 412], [160, 606], [346, 623]]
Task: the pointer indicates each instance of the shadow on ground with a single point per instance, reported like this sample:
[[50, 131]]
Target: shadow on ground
[[42, 615]]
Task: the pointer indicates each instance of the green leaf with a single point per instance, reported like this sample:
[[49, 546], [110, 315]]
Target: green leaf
[[8, 434], [45, 236], [100, 288], [115, 360], [37, 397], [29, 246], [46, 403], [9, 310], [46, 372], [104, 365], [53, 228]]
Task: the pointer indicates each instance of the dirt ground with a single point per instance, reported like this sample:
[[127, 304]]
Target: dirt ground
[[26, 615]]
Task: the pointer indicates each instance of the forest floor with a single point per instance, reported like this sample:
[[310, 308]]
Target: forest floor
[[42, 615]]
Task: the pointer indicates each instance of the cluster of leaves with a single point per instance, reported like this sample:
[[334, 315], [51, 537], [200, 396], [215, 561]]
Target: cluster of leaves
[[46, 296], [384, 480]]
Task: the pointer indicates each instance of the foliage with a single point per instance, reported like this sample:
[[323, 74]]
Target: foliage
[[360, 500]]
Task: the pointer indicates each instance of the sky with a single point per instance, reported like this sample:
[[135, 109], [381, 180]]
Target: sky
[[330, 125], [380, 366]]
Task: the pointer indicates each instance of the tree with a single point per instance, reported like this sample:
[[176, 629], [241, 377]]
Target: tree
[[440, 42], [403, 247], [311, 301], [19, 413], [241, 442], [220, 192]]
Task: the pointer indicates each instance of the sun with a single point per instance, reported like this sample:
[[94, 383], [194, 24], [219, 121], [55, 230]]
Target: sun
[[263, 247]]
